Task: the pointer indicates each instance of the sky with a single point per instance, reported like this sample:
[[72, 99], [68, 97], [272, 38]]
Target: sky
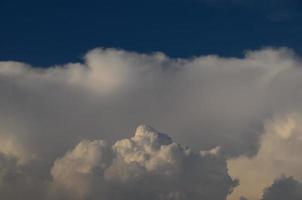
[[53, 32], [151, 100]]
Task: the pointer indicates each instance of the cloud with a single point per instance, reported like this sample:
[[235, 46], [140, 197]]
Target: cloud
[[10, 147], [20, 181], [205, 102], [57, 105], [284, 188], [279, 154], [74, 173], [147, 166]]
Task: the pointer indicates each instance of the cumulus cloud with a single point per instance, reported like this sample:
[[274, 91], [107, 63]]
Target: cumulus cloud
[[147, 166], [215, 101], [279, 154], [284, 188], [205, 102], [74, 173]]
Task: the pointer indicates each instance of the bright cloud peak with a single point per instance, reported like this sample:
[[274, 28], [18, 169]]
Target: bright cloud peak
[[139, 166]]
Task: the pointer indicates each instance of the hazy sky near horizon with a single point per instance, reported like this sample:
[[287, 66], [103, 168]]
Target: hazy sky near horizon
[[153, 100]]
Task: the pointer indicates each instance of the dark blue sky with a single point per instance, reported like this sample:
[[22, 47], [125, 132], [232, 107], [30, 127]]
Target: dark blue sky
[[55, 32]]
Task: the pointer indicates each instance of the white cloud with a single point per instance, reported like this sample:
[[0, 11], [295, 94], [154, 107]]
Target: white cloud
[[73, 173], [147, 166], [180, 96], [204, 102]]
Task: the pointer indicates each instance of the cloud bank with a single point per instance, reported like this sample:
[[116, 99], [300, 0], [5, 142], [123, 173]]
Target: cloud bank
[[243, 106]]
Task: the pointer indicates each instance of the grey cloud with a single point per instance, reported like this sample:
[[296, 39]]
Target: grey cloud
[[284, 188], [279, 154], [20, 182]]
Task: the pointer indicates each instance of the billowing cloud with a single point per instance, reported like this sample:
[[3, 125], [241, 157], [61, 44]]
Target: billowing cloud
[[147, 166], [284, 188], [279, 154], [206, 102], [214, 101], [74, 173]]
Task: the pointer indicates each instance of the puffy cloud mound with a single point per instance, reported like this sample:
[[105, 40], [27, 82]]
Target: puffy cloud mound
[[147, 166], [284, 188], [279, 154], [75, 172]]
